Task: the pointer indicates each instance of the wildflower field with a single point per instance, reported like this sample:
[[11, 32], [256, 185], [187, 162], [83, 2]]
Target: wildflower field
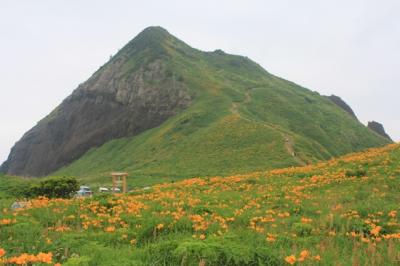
[[341, 212]]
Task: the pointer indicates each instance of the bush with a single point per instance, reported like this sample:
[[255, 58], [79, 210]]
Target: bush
[[356, 173], [358, 226], [210, 252], [302, 229], [55, 187]]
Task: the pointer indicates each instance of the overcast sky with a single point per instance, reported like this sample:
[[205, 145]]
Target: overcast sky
[[349, 48]]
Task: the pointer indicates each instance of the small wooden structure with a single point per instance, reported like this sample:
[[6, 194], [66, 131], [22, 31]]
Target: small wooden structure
[[117, 179]]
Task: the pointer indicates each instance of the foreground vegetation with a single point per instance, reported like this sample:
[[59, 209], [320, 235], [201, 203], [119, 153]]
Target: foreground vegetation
[[340, 212]]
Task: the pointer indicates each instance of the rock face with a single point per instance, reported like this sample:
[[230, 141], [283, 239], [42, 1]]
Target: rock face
[[342, 104], [119, 100], [378, 128], [374, 126]]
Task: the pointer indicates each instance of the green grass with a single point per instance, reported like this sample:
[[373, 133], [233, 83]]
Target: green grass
[[239, 120], [330, 210], [9, 184], [9, 187]]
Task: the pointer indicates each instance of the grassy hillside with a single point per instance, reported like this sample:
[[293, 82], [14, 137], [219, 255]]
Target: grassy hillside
[[9, 187], [341, 212], [242, 119], [9, 184]]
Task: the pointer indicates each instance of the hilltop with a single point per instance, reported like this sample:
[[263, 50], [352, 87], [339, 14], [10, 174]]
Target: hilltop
[[341, 212], [160, 108]]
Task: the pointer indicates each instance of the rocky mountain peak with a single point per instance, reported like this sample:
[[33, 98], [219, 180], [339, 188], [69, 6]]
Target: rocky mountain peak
[[155, 32], [379, 129], [342, 104], [152, 39]]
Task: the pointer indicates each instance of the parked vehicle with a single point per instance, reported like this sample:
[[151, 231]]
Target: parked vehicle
[[103, 190], [84, 191], [20, 205], [116, 190]]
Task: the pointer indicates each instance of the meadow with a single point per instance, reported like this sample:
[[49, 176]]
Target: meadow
[[344, 211]]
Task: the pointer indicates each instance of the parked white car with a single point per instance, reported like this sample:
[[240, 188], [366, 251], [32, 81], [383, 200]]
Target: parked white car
[[103, 190], [84, 191], [117, 190]]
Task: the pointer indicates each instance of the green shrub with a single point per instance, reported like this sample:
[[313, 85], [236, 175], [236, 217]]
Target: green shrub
[[302, 229], [160, 253], [192, 252], [356, 173], [358, 226], [54, 187], [77, 261], [215, 252]]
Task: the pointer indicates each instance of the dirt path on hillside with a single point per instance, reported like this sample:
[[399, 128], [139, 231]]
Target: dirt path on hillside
[[288, 141], [235, 109], [247, 96], [289, 146]]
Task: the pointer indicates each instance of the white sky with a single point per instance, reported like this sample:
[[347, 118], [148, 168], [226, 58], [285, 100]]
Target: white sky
[[350, 48]]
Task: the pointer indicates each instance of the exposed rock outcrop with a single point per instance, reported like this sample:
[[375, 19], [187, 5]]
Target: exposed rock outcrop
[[342, 104], [378, 128], [120, 100]]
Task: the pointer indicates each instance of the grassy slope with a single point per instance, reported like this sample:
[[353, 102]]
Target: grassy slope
[[8, 186], [341, 212], [8, 183], [238, 123]]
